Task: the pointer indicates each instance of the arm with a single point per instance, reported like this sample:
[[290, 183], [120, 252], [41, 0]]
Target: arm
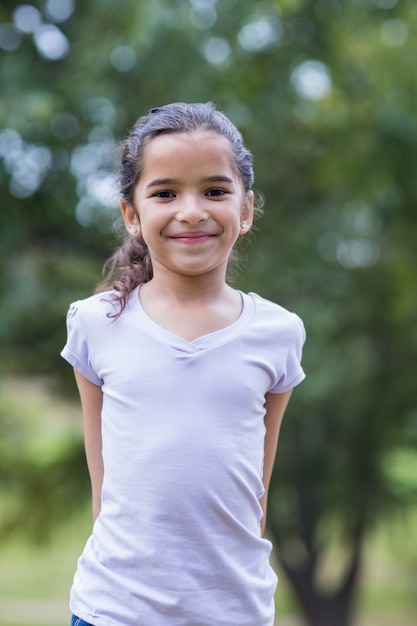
[[91, 402], [275, 405]]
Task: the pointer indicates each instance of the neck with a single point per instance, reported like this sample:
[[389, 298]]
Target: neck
[[190, 306], [184, 288]]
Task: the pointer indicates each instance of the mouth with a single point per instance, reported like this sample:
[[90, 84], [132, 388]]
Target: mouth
[[192, 237]]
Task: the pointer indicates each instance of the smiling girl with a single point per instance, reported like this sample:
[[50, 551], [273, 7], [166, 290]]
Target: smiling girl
[[183, 383]]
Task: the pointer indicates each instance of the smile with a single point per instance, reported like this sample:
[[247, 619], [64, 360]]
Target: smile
[[192, 237]]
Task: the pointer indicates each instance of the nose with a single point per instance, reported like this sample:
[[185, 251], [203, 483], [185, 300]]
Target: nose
[[191, 209]]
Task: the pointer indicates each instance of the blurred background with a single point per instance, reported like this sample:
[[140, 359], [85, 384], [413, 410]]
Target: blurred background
[[325, 94]]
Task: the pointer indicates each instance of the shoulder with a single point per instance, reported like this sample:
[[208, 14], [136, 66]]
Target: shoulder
[[275, 318], [279, 334], [99, 306]]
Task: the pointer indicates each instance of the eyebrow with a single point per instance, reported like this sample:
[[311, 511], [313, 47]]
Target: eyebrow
[[209, 179]]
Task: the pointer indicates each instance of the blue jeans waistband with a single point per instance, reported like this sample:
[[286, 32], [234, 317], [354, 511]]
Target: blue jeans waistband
[[77, 621]]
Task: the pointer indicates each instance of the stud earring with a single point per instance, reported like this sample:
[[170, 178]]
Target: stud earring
[[135, 231], [243, 225]]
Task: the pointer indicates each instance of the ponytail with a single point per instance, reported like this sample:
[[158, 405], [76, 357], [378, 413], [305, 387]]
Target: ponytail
[[127, 268]]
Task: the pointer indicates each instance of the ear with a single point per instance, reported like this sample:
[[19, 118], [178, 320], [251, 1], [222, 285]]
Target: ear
[[246, 215], [130, 218]]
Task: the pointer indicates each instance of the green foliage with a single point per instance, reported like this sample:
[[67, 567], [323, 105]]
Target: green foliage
[[43, 472], [324, 93]]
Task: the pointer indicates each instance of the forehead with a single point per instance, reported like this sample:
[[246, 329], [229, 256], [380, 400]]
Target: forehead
[[180, 154]]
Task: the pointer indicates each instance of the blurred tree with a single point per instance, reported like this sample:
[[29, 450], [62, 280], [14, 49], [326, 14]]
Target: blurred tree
[[42, 466], [324, 94]]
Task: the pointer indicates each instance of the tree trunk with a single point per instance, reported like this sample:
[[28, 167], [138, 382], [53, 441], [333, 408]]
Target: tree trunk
[[320, 608]]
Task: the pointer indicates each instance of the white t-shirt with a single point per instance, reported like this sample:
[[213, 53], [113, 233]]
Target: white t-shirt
[[178, 539]]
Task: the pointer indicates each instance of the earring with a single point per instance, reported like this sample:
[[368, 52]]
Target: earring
[[243, 225], [135, 231]]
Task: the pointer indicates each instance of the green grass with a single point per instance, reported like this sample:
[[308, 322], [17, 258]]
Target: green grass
[[389, 580], [35, 581], [28, 571]]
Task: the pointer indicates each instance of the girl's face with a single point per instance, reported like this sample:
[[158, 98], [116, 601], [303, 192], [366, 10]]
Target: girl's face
[[189, 204]]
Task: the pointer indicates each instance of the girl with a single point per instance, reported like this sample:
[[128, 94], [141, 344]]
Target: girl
[[183, 383]]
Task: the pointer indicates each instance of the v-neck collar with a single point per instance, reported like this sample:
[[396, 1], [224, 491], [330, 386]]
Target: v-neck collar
[[205, 342]]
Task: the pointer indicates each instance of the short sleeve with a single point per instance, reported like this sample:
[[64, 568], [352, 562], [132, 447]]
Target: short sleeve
[[76, 350], [293, 372]]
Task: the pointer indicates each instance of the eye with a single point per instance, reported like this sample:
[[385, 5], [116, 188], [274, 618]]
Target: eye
[[164, 194], [216, 192]]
